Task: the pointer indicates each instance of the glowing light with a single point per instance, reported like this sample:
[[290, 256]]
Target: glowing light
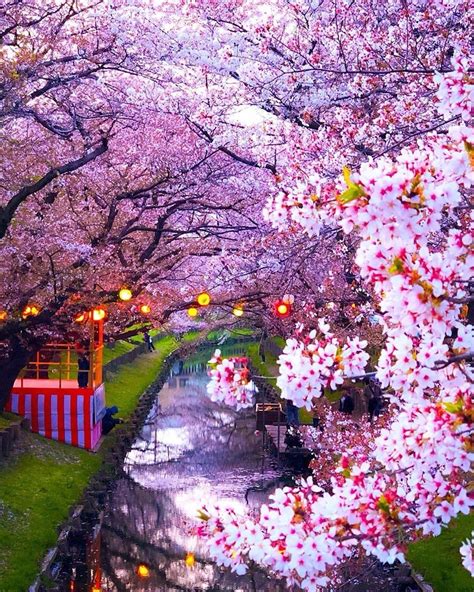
[[193, 311], [125, 294], [3, 315], [81, 317], [96, 589], [282, 309], [204, 299], [331, 305], [143, 571], [31, 310], [238, 310], [145, 309], [98, 314], [190, 560]]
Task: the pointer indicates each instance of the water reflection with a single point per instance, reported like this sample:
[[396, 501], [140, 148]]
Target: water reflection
[[189, 452]]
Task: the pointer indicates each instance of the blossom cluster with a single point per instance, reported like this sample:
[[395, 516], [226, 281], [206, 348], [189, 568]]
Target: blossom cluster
[[338, 435], [230, 381], [456, 90], [298, 205], [309, 366], [306, 530]]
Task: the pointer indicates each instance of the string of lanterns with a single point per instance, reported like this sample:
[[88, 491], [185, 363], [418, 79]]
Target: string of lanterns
[[203, 299], [282, 308]]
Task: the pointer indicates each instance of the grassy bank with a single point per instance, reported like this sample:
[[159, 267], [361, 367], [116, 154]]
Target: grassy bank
[[43, 479], [117, 349], [438, 559]]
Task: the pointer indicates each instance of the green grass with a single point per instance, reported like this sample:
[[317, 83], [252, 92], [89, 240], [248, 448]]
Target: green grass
[[191, 335], [130, 381], [36, 491], [38, 487], [116, 349], [438, 559], [267, 368]]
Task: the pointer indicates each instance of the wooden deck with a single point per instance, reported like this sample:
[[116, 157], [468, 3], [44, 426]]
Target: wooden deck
[[277, 435]]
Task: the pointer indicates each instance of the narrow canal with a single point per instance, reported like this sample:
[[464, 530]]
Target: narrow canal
[[189, 452]]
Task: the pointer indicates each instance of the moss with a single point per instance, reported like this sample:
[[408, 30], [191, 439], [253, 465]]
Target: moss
[[6, 419], [438, 558]]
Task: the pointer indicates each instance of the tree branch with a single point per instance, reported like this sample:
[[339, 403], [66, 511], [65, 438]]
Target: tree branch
[[7, 212]]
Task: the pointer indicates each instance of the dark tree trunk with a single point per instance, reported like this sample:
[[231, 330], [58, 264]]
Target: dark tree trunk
[[15, 358]]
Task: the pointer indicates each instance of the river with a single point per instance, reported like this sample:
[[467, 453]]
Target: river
[[190, 451]]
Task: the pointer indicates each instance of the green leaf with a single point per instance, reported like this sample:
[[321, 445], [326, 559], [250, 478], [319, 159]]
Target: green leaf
[[350, 194], [454, 407], [346, 173], [397, 266], [383, 504]]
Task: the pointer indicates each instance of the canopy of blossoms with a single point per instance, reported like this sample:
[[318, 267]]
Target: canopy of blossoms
[[257, 149]]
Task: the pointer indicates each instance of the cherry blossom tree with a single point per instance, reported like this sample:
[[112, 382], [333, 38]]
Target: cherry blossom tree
[[160, 146], [413, 218], [101, 186]]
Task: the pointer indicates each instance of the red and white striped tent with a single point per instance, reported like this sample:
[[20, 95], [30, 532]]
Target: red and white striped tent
[[68, 414], [48, 391]]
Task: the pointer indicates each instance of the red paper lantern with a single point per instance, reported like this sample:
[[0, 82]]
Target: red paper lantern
[[282, 309]]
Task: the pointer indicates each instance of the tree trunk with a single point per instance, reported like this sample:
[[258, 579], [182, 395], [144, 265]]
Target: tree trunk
[[15, 358]]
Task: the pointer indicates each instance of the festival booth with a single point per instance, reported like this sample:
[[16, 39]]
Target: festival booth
[[48, 394]]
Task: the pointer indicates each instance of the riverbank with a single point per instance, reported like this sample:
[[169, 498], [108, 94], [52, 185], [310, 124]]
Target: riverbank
[[42, 479]]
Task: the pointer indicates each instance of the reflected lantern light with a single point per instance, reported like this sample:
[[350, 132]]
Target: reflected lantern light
[[204, 299]]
